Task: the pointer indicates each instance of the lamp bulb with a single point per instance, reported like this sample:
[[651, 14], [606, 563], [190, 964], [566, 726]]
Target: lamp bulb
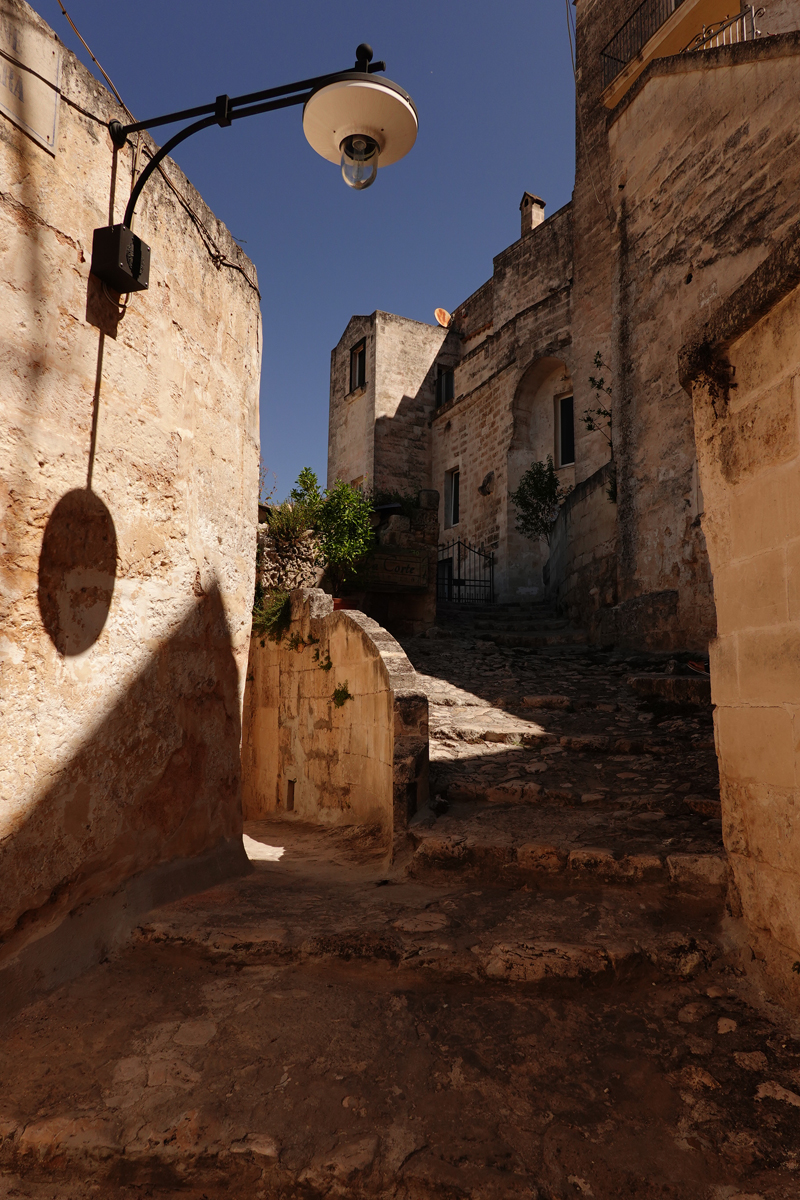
[[359, 160]]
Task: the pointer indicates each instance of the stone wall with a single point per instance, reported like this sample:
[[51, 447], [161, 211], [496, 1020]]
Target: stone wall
[[129, 484], [704, 176], [406, 356], [397, 587], [582, 567], [782, 16], [743, 370], [362, 761]]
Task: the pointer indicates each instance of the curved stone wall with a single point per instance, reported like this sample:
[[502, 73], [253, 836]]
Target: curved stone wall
[[335, 728]]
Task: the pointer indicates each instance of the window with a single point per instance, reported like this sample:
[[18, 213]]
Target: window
[[358, 366], [565, 431], [451, 498], [445, 389], [358, 484]]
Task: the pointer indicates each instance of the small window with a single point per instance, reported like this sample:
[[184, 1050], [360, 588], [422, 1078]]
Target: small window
[[358, 366], [445, 388], [358, 484], [451, 498], [565, 431]]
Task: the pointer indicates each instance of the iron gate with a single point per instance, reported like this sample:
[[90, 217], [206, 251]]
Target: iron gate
[[465, 574]]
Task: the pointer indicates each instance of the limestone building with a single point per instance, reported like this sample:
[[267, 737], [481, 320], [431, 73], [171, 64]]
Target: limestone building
[[685, 181], [129, 467]]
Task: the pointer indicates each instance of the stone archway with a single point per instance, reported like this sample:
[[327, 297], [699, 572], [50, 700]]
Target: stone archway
[[534, 436]]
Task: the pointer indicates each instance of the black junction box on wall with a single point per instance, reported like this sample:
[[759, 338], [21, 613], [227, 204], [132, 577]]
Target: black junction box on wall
[[121, 259]]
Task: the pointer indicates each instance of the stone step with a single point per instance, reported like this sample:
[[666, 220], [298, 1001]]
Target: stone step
[[431, 941], [326, 1027], [282, 914], [549, 846], [521, 627], [451, 721], [535, 641]]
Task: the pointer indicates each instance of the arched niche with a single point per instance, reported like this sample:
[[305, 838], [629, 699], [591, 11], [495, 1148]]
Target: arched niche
[[536, 412]]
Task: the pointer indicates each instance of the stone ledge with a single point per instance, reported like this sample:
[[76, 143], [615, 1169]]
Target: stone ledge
[[780, 45], [740, 311]]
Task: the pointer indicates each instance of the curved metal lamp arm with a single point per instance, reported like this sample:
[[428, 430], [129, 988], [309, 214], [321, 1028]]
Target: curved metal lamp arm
[[223, 111], [222, 116], [157, 158], [119, 257]]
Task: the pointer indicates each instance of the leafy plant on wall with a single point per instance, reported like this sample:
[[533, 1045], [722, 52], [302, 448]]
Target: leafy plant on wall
[[538, 499], [345, 529], [338, 523]]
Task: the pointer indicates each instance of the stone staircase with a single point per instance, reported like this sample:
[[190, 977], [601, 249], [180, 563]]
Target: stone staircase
[[538, 1000], [535, 626]]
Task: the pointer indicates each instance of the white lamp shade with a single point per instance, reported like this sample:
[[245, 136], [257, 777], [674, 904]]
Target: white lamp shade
[[367, 106]]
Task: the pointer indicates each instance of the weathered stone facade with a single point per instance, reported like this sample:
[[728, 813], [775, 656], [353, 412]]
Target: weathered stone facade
[[286, 567], [704, 171], [129, 479], [742, 369], [675, 201]]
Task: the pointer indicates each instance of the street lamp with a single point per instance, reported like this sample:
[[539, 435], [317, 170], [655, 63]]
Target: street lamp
[[349, 117]]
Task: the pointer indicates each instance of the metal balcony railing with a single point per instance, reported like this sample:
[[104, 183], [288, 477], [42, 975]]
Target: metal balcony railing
[[634, 35], [741, 28], [651, 15]]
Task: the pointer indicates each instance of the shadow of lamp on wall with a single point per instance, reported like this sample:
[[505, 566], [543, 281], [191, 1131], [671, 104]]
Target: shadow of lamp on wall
[[349, 117], [77, 571]]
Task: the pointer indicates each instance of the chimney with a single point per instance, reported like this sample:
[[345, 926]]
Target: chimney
[[532, 212]]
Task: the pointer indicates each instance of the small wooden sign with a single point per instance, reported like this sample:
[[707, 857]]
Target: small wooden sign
[[393, 570], [30, 76]]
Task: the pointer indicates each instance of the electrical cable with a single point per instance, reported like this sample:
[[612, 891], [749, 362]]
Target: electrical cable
[[216, 255], [581, 129], [94, 60]]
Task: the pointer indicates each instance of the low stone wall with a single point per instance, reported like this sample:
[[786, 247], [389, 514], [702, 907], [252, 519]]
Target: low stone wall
[[743, 369], [581, 572], [335, 728]]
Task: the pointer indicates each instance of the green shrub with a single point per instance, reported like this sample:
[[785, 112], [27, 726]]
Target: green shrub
[[345, 530], [288, 523], [537, 500], [340, 517], [306, 492], [272, 615]]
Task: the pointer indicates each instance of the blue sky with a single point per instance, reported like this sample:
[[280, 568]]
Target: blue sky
[[493, 86]]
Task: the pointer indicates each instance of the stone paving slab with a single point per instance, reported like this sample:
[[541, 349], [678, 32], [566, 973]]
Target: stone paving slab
[[538, 1000], [534, 729], [315, 894], [489, 1044]]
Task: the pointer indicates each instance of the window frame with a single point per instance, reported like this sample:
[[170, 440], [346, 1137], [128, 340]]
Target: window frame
[[444, 372], [452, 492], [358, 367], [558, 400]]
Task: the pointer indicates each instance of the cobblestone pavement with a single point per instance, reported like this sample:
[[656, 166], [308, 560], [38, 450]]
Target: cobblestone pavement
[[540, 1000]]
